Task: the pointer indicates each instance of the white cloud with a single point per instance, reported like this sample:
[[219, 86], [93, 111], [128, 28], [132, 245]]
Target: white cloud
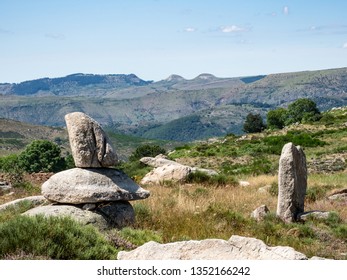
[[344, 45], [286, 10], [231, 29], [190, 29]]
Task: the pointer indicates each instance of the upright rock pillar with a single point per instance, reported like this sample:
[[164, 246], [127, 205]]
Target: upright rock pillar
[[292, 183]]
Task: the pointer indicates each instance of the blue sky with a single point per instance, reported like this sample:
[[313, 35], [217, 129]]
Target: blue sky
[[156, 38]]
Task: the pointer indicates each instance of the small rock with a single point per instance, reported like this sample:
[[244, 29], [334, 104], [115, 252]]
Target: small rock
[[244, 184], [321, 215], [264, 189], [89, 206], [339, 195], [260, 213]]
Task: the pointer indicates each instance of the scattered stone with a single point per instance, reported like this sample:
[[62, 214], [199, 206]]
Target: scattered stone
[[34, 200], [339, 195], [244, 184], [179, 171], [176, 173], [158, 161], [320, 215], [236, 248], [264, 189], [260, 213], [118, 214], [80, 186], [89, 206], [90, 146], [4, 187], [292, 183], [81, 216]]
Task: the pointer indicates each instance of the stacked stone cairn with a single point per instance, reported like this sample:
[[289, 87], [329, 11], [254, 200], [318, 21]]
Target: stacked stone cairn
[[93, 192]]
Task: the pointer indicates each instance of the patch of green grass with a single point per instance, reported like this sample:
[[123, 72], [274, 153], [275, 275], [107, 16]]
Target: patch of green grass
[[54, 237]]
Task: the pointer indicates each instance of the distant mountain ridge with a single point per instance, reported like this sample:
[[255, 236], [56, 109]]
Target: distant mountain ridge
[[174, 108], [72, 84]]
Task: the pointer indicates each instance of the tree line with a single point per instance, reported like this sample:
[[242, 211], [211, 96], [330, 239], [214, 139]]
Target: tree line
[[301, 110]]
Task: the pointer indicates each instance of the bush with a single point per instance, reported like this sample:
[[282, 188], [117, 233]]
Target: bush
[[146, 151], [42, 155], [253, 123], [276, 118], [54, 238], [303, 109]]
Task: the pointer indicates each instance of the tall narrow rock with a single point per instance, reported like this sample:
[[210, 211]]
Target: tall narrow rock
[[292, 183], [90, 146]]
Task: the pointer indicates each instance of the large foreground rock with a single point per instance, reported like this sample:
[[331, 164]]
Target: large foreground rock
[[90, 145], [81, 216], [236, 248], [77, 186], [292, 183]]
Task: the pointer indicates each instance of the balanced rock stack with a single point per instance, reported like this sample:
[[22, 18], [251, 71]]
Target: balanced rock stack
[[93, 192]]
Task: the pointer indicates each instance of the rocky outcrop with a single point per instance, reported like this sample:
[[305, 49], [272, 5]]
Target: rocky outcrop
[[260, 213], [90, 145], [292, 183], [169, 170], [77, 185], [236, 248]]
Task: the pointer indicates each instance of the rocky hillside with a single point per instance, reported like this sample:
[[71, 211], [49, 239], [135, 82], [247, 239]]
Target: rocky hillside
[[174, 108]]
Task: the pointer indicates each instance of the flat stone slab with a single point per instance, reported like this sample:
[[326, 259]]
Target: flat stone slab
[[78, 186], [34, 200], [236, 248]]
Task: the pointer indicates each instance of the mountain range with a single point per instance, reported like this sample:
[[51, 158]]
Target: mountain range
[[171, 109]]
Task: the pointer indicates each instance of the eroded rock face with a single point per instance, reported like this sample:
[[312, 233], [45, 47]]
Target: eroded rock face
[[236, 248], [78, 186], [90, 146], [292, 183]]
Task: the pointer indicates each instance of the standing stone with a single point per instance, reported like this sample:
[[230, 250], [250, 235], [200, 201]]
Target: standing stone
[[90, 145], [292, 183]]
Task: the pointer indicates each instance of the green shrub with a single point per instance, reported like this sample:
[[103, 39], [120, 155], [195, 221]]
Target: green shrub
[[139, 236], [253, 123], [55, 238], [146, 151], [276, 118], [303, 109], [42, 155]]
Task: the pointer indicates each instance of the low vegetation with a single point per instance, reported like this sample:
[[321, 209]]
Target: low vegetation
[[204, 206]]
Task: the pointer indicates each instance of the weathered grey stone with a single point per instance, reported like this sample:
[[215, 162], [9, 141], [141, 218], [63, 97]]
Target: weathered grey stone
[[118, 214], [236, 248], [260, 213], [34, 200], [90, 145], [292, 183], [165, 173], [320, 215], [338, 195], [81, 216], [79, 186]]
